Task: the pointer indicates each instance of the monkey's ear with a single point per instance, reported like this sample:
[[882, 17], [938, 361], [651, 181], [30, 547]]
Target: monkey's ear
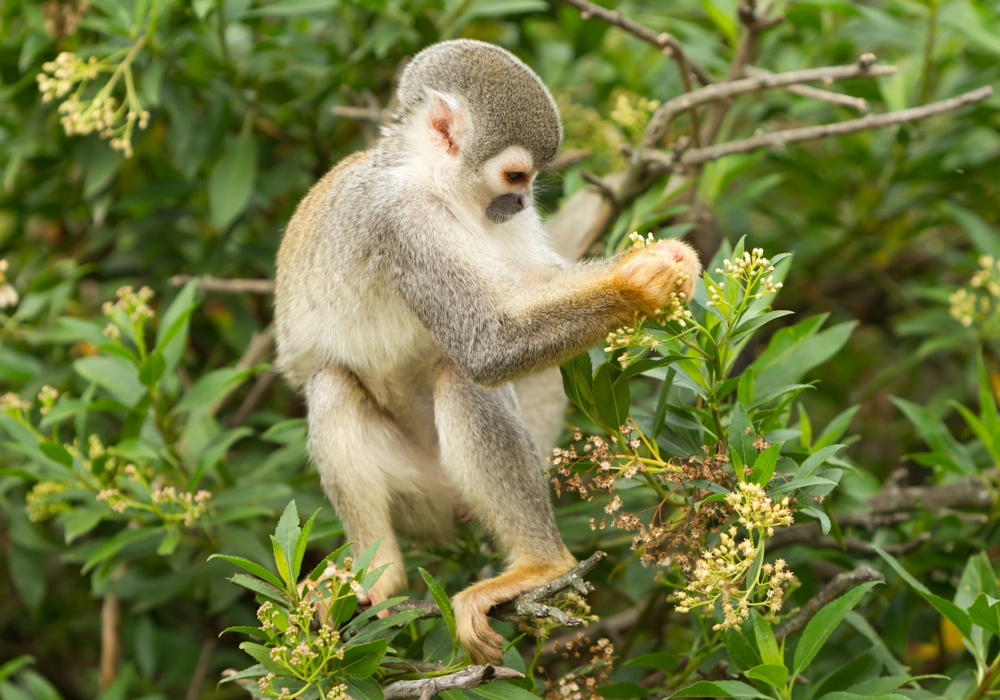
[[448, 123]]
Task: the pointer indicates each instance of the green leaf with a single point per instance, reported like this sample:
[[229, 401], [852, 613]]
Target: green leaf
[[741, 439], [766, 642], [816, 459], [622, 691], [231, 182], [775, 675], [332, 557], [117, 543], [259, 587], [253, 567], [836, 428], [262, 655], [502, 690], [659, 416], [719, 689], [9, 668], [364, 689], [255, 671], [211, 389], [171, 336], [80, 522], [441, 598], [741, 649], [374, 610], [362, 660], [746, 389], [56, 452], [958, 617], [660, 660], [756, 322], [607, 395], [116, 376], [985, 612], [170, 541], [824, 623], [980, 233], [763, 468], [152, 368], [936, 435], [300, 546], [294, 8]]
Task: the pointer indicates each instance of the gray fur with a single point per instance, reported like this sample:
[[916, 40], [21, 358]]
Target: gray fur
[[503, 208], [509, 103]]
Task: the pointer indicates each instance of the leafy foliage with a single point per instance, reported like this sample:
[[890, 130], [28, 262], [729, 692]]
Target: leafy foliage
[[143, 463]]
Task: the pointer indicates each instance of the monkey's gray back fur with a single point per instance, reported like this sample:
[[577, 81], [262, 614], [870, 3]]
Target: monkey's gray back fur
[[508, 102]]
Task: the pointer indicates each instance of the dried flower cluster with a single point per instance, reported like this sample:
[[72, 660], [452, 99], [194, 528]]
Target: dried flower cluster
[[67, 78], [978, 303], [62, 18], [583, 682], [8, 295], [721, 573]]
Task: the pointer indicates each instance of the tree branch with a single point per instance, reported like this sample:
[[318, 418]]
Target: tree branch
[[857, 103], [207, 283], [827, 594], [468, 677], [661, 40], [780, 139], [669, 110]]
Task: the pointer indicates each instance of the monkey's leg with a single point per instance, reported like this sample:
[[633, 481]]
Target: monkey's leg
[[490, 456], [352, 442]]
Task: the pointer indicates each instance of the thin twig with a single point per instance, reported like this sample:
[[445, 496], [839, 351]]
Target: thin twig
[[669, 110], [780, 139], [201, 669], [260, 388], [207, 283], [857, 103], [360, 113], [827, 594], [111, 622], [468, 677], [810, 533], [568, 158], [661, 40], [606, 188]]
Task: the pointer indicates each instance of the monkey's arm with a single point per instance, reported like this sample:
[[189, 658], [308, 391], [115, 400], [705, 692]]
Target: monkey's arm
[[497, 332]]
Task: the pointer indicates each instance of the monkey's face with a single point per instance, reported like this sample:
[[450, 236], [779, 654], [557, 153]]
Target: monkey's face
[[505, 184]]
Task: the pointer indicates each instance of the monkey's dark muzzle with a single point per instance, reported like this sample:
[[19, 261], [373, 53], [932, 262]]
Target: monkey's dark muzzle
[[505, 207]]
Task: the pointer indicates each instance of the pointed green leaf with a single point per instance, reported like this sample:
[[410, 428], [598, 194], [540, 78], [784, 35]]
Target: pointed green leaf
[[985, 612], [300, 546], [763, 468], [824, 623], [253, 567], [720, 689], [741, 439], [766, 642], [775, 675], [441, 598]]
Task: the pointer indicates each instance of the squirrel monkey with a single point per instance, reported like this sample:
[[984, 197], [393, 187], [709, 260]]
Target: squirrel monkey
[[414, 283]]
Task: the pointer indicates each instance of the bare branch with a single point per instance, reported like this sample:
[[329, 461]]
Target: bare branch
[[811, 533], [568, 158], [201, 669], [111, 641], [779, 139], [970, 492], [606, 188], [207, 283], [260, 388], [468, 677], [857, 103], [827, 594], [360, 113], [669, 110], [661, 40]]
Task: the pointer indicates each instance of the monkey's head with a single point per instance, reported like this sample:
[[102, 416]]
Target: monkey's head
[[484, 122]]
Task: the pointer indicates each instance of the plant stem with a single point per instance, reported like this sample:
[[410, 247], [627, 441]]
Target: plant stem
[[990, 679]]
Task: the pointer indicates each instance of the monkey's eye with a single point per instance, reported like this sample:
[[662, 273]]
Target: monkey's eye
[[515, 176]]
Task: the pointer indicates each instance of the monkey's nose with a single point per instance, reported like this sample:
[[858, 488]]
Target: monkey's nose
[[504, 207]]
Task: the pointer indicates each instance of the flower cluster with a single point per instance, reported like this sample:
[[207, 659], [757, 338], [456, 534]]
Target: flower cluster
[[752, 273], [978, 304], [721, 573], [583, 682], [47, 398], [46, 500], [66, 79], [631, 112], [13, 404], [8, 295], [305, 651], [132, 303], [756, 510]]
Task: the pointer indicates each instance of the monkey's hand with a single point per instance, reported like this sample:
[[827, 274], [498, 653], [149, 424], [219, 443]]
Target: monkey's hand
[[651, 275]]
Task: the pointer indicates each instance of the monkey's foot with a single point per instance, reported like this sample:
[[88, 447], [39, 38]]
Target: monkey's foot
[[471, 605]]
